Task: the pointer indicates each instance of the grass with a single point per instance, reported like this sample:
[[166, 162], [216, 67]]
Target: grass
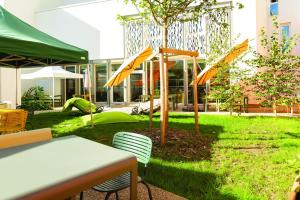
[[250, 158]]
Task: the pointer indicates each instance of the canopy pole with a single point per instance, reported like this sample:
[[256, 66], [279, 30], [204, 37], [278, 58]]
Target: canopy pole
[[162, 99], [90, 94], [53, 84], [151, 94], [195, 96], [16, 87]]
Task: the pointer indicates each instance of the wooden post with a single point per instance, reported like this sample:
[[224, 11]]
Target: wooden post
[[53, 92], [151, 94], [166, 93], [195, 96], [162, 99]]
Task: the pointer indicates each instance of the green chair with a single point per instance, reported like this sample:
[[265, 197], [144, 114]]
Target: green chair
[[141, 147]]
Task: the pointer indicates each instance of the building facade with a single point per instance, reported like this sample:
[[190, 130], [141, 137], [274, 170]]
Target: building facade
[[93, 25]]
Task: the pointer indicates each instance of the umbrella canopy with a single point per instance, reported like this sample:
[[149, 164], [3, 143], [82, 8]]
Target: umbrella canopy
[[23, 45], [211, 71], [51, 72], [128, 66]]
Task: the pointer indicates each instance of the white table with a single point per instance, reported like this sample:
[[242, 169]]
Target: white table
[[61, 168]]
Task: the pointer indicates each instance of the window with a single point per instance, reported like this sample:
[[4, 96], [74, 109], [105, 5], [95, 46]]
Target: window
[[101, 78], [136, 86], [118, 91], [83, 90], [201, 88], [285, 29], [274, 7], [70, 83]]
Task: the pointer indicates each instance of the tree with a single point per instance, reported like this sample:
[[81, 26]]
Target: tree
[[166, 12], [226, 87], [276, 79]]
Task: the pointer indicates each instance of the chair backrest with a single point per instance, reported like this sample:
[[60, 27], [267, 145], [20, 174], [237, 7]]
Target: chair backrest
[[25, 137], [137, 144], [12, 121]]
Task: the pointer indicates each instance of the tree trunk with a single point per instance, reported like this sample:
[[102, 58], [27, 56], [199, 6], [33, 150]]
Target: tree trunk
[[162, 100], [165, 45], [274, 108], [274, 99], [151, 95], [195, 96]]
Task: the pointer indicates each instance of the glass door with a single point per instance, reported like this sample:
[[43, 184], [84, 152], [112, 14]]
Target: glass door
[[70, 84], [136, 86], [200, 88], [101, 79], [83, 90], [118, 91]]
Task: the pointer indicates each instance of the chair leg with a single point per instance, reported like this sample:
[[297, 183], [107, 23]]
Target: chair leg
[[81, 195], [107, 196], [117, 195], [148, 188]]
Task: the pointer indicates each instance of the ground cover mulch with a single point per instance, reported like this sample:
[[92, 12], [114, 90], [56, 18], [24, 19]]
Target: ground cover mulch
[[180, 145]]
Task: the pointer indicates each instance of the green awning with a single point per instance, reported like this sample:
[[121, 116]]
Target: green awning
[[22, 45]]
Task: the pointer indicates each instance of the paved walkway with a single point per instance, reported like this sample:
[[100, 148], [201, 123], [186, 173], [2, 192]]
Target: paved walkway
[[128, 109], [252, 114]]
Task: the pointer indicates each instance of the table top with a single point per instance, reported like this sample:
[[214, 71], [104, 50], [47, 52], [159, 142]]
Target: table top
[[31, 168], [6, 110]]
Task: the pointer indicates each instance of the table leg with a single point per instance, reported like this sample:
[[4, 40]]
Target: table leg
[[173, 104], [133, 182]]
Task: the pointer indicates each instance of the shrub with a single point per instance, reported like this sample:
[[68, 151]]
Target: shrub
[[34, 98]]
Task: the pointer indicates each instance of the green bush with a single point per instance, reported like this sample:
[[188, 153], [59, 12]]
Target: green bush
[[36, 99]]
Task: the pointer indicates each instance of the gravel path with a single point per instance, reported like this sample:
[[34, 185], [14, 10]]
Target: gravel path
[[157, 193]]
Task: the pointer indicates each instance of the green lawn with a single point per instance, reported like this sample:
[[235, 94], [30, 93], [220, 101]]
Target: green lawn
[[251, 157]]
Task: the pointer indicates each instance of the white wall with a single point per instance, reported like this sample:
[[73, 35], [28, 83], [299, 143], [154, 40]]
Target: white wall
[[289, 13], [244, 22], [69, 2], [9, 87], [25, 9], [92, 26]]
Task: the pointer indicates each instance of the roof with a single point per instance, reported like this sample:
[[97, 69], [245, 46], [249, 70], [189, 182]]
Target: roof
[[22, 45], [51, 72]]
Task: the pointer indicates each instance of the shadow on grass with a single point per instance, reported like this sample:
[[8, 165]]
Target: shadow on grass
[[182, 144], [191, 184], [49, 119], [294, 135]]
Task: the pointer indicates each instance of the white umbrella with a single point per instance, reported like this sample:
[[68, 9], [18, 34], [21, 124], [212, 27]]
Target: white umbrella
[[54, 72]]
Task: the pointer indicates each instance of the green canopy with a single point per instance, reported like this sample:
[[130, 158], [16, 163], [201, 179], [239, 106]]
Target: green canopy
[[22, 45]]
